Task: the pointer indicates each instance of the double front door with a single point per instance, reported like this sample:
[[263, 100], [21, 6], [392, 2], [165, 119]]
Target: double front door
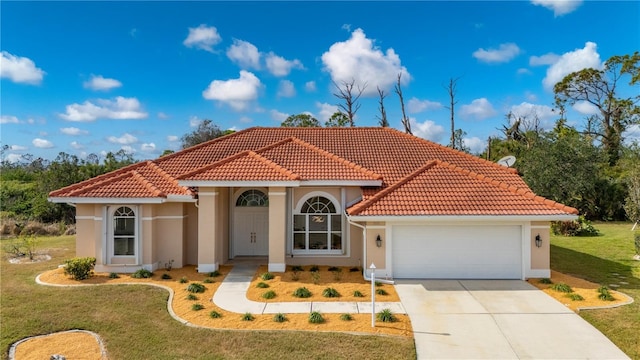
[[251, 232]]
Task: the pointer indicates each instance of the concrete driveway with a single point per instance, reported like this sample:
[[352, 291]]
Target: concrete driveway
[[497, 319]]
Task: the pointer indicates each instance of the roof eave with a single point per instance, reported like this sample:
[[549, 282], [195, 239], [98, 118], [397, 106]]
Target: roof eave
[[439, 218], [107, 200], [237, 183]]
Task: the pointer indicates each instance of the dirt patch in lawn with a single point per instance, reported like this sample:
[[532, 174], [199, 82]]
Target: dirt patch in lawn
[[70, 344], [344, 281], [184, 308], [587, 289]]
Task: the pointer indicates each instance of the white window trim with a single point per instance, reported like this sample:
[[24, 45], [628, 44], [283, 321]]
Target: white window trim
[[297, 211], [110, 251]]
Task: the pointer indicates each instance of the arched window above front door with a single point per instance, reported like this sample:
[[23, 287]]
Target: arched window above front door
[[255, 198]]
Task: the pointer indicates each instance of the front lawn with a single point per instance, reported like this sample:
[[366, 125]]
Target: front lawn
[[607, 260], [135, 324]]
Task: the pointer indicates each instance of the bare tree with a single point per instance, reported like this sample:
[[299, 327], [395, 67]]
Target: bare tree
[[349, 92], [451, 89], [382, 119], [405, 120]]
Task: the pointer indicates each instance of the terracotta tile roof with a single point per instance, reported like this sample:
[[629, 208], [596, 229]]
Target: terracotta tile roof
[[441, 188], [275, 154]]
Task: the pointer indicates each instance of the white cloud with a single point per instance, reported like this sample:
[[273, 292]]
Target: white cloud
[[632, 134], [100, 83], [524, 71], [73, 131], [415, 105], [572, 61], [9, 119], [427, 130], [237, 93], [585, 108], [546, 59], [279, 66], [172, 138], [128, 149], [326, 110], [475, 144], [528, 110], [162, 115], [120, 108], [310, 86], [479, 109], [42, 143], [18, 148], [194, 121], [504, 53], [244, 54], [76, 145], [125, 139], [278, 116], [286, 89], [148, 148], [13, 158], [346, 27], [559, 7], [245, 120], [20, 69], [358, 59], [203, 37]]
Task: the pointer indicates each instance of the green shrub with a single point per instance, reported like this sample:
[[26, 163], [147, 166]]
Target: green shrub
[[267, 276], [346, 317], [196, 288], [295, 275], [545, 281], [314, 268], [207, 281], [604, 294], [354, 269], [297, 268], [214, 274], [269, 294], [337, 274], [215, 315], [579, 227], [247, 317], [80, 268], [197, 307], [183, 280], [381, 292], [316, 318], [386, 316], [114, 276], [334, 268], [262, 285], [378, 283], [357, 293], [302, 292], [575, 297], [279, 317], [637, 242], [315, 277], [166, 276], [142, 274], [562, 287], [192, 297], [330, 293]]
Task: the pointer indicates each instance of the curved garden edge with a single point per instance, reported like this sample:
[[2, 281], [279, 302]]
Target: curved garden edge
[[103, 350], [627, 302]]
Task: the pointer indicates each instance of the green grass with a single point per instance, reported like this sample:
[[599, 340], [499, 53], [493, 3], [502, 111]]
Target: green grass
[[120, 313], [598, 259]]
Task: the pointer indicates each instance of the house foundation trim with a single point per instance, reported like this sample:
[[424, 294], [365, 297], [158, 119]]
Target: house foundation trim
[[205, 268], [277, 267], [538, 273]]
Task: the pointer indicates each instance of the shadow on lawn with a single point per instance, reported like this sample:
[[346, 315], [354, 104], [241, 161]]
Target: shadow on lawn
[[592, 268]]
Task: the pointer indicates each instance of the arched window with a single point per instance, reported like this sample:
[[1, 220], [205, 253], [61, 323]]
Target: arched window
[[252, 198], [317, 226], [124, 231]]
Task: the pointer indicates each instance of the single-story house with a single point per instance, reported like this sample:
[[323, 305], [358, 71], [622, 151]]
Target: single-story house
[[325, 196]]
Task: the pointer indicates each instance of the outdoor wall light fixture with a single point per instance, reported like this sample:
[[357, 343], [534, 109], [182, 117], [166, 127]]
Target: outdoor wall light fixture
[[538, 240], [378, 241]]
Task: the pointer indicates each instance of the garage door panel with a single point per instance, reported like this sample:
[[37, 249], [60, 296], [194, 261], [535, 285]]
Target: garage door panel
[[462, 252]]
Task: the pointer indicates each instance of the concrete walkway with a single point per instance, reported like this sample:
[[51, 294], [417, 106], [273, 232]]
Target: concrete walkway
[[497, 319], [232, 296]]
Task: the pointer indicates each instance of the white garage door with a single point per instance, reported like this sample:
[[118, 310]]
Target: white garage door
[[457, 252]]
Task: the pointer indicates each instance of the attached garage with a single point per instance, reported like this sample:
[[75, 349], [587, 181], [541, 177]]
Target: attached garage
[[457, 251]]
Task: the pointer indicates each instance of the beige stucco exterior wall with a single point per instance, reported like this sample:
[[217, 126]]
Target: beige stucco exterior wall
[[540, 256], [88, 231], [146, 221], [277, 228], [191, 236], [208, 210], [222, 226], [168, 230], [376, 254]]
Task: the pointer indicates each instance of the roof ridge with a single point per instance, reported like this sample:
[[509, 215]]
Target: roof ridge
[[203, 144], [337, 158], [100, 183], [165, 175], [272, 164], [356, 209], [97, 180], [524, 192], [147, 184]]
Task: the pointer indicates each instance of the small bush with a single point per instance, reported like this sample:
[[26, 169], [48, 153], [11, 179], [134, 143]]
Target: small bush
[[330, 293], [357, 293], [192, 297], [316, 318], [295, 276], [545, 281], [114, 276], [337, 274], [269, 294], [207, 281], [378, 283], [302, 292], [579, 227], [386, 316], [334, 268], [604, 294], [247, 317], [637, 242], [381, 292], [197, 307], [314, 268], [267, 276], [214, 274], [142, 274], [315, 277], [279, 317], [346, 317], [80, 268], [215, 315], [166, 276], [354, 269], [575, 297], [562, 287], [196, 288], [262, 285], [297, 268], [184, 280]]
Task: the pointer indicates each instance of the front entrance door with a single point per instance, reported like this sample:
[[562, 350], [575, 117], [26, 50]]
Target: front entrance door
[[251, 232]]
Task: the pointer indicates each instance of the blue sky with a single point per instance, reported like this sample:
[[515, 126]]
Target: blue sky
[[91, 77]]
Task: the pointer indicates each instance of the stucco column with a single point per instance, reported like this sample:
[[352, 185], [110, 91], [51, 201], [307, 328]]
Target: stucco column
[[207, 234], [148, 246], [277, 228]]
